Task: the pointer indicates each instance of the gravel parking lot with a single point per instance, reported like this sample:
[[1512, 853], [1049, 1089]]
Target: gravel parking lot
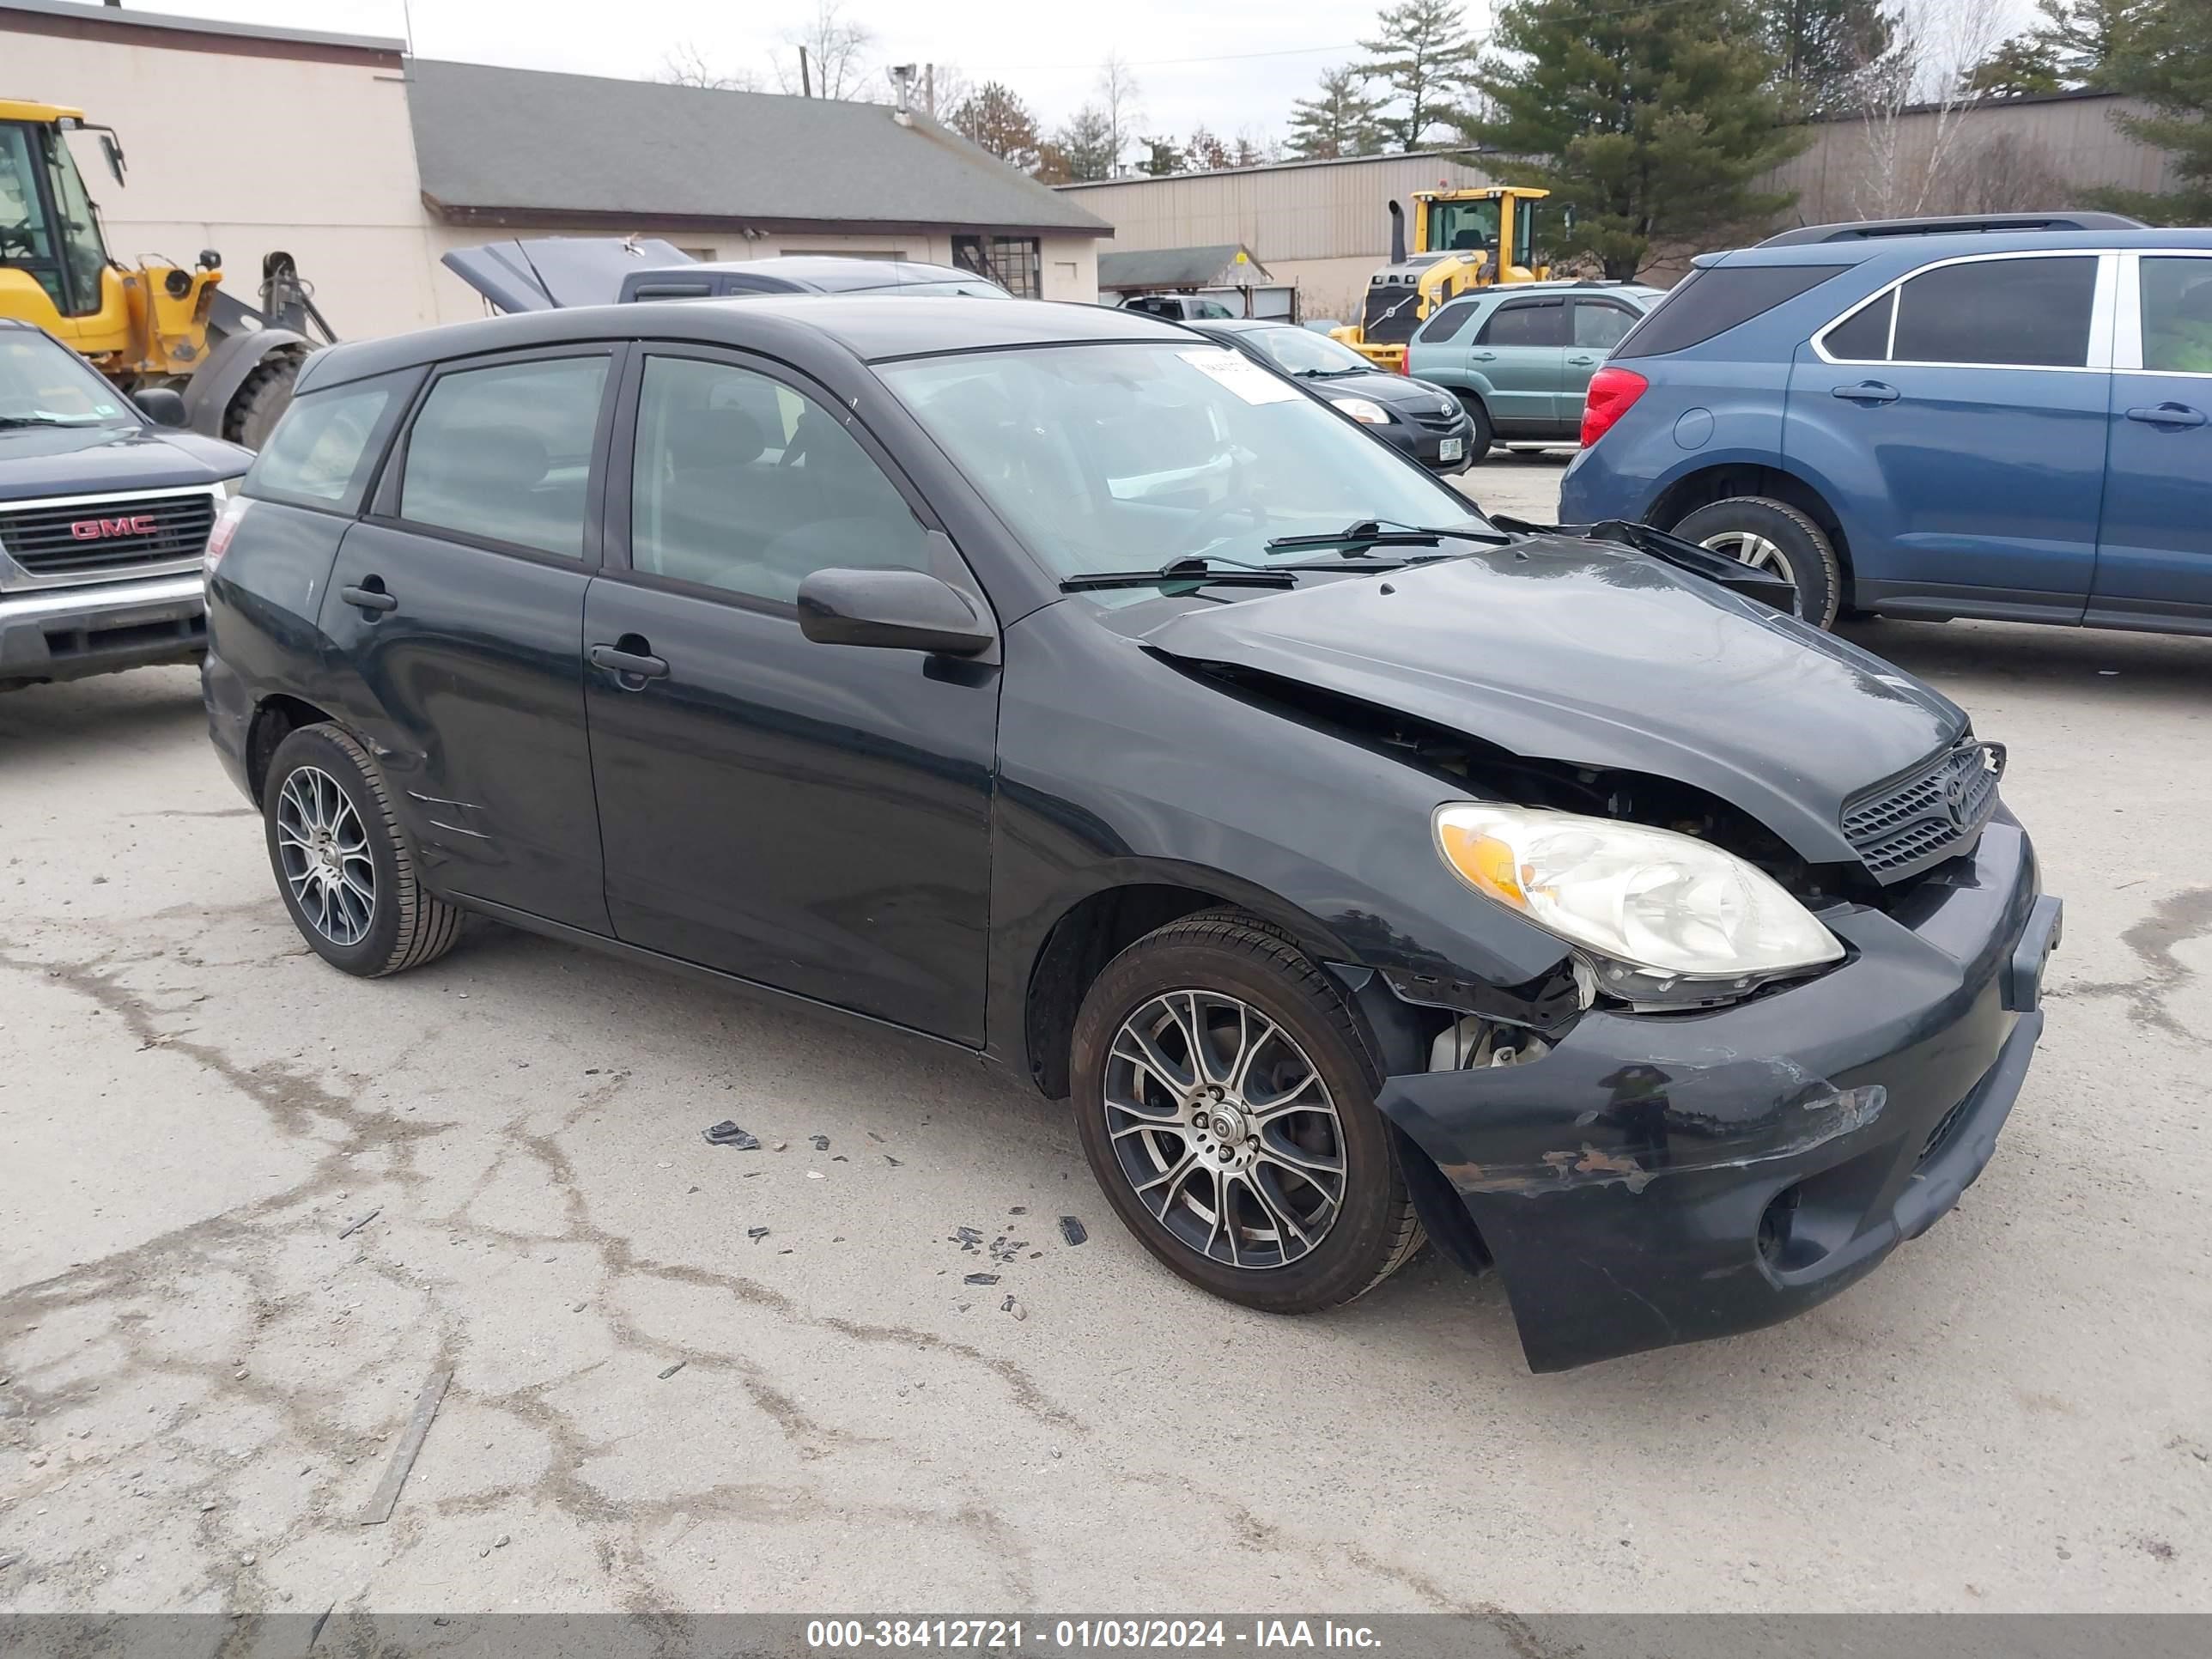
[[207, 1357]]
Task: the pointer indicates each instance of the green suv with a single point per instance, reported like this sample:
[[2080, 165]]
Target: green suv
[[1519, 356]]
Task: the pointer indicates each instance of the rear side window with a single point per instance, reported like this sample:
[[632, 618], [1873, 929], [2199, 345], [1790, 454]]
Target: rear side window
[[1601, 325], [2022, 313], [2177, 315], [1448, 324], [322, 451], [504, 453], [1713, 299], [1531, 323], [1863, 336]]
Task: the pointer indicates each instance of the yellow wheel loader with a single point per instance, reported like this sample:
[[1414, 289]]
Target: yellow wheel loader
[[150, 324], [1462, 239]]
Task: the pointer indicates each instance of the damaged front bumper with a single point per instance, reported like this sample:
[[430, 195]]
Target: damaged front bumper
[[1661, 1179]]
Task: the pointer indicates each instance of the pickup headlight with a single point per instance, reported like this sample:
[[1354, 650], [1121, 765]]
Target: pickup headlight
[[1364, 411], [1662, 918]]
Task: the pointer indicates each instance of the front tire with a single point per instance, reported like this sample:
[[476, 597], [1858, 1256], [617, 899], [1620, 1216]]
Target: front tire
[[1482, 434], [345, 871], [1776, 538], [1225, 1099]]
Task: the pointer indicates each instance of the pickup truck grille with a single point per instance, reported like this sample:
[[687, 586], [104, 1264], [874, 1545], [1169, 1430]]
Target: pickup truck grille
[[97, 536], [1930, 814]]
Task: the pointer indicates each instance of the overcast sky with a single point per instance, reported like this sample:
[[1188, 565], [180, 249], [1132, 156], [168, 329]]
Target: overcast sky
[[1230, 64]]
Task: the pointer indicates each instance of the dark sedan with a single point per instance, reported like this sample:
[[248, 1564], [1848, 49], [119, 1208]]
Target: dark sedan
[[1425, 421], [1062, 688]]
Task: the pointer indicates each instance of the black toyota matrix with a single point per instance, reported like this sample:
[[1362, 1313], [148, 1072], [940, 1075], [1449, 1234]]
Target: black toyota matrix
[[1078, 692]]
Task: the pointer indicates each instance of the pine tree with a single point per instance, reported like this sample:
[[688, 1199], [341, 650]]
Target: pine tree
[[2089, 37], [1423, 55], [993, 117], [1654, 124], [1340, 119], [1086, 143], [2167, 63], [1204, 153], [1162, 156], [1822, 46], [2022, 67]]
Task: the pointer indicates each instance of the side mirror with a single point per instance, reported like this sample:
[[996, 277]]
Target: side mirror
[[902, 609], [161, 404], [112, 153]]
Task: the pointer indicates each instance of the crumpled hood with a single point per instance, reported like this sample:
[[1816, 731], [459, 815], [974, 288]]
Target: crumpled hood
[[1580, 653]]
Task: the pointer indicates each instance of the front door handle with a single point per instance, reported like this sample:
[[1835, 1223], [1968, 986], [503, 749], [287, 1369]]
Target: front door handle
[[2168, 415], [1869, 391], [370, 596], [631, 668]]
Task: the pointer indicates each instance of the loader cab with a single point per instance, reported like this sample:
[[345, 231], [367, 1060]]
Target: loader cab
[[1499, 221], [50, 236]]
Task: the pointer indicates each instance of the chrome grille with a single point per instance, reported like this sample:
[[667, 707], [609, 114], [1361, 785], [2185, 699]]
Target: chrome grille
[[1931, 813], [96, 535], [1444, 421]]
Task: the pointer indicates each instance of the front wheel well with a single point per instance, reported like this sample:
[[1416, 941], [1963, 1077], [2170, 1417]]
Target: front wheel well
[[276, 719], [1716, 483]]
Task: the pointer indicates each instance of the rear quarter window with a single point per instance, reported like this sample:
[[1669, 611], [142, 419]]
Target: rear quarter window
[[327, 445], [1713, 299]]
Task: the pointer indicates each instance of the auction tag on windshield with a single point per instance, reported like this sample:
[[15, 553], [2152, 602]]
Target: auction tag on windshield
[[1241, 375]]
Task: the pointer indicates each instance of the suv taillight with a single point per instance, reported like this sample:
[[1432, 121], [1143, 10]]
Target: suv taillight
[[225, 526], [1611, 393]]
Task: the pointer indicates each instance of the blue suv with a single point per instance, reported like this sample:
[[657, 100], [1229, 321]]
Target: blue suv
[[1922, 421]]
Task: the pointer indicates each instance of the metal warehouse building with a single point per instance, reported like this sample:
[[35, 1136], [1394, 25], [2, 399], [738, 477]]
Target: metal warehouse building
[[367, 165]]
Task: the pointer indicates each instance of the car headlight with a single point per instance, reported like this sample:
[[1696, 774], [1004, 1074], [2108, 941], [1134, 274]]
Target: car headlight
[[1662, 918], [1364, 411]]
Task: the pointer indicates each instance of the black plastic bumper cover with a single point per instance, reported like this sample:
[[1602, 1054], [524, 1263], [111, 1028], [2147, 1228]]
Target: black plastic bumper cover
[[1656, 1179]]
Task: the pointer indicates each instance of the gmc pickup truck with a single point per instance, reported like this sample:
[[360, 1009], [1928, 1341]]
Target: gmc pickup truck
[[104, 516]]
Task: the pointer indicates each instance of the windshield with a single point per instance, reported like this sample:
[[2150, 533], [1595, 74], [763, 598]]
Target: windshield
[[43, 384], [1105, 456], [1462, 227], [1298, 351]]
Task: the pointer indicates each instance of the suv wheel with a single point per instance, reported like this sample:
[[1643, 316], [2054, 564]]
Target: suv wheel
[[1776, 538], [346, 873], [1225, 1100], [1483, 434]]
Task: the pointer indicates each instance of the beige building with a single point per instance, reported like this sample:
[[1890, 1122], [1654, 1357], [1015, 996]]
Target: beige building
[[367, 165]]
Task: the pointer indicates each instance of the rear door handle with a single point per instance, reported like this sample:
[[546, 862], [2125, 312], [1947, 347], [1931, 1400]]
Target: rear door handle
[[2168, 415], [1482, 356], [1869, 391], [631, 669], [1582, 359], [370, 596]]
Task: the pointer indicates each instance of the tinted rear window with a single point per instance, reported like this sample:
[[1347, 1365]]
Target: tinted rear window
[[1714, 299], [322, 450], [1528, 323], [2021, 314]]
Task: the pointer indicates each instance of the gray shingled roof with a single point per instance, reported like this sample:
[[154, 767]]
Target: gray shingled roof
[[528, 144], [1179, 267]]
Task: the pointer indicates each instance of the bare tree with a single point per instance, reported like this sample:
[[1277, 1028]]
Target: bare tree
[[685, 65], [1117, 99], [835, 52], [2001, 172], [1912, 101]]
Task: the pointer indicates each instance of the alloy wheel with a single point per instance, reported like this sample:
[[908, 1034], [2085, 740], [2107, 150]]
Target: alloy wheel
[[324, 847], [1224, 1130], [1748, 547]]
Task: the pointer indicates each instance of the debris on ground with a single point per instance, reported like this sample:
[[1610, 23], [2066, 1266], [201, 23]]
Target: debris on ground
[[873, 1136], [756, 1234], [981, 1279], [387, 1495], [893, 1162], [363, 1222], [821, 1142], [1014, 1308], [1071, 1229], [726, 1133], [782, 1145], [839, 1158], [665, 1376], [968, 1238], [1019, 1209], [814, 1174]]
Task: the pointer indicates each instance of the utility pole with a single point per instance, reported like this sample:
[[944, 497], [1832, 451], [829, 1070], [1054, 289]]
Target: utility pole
[[805, 77], [929, 89]]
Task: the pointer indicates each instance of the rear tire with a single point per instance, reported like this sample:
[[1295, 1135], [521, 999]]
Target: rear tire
[[1483, 434], [260, 402], [1777, 537], [1291, 1198], [344, 870]]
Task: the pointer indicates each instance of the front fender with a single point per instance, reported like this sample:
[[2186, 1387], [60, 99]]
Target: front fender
[[228, 365]]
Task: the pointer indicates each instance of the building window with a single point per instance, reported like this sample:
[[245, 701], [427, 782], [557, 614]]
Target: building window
[[705, 256], [1009, 261]]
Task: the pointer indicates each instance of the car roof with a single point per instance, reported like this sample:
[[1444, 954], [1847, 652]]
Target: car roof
[[1950, 245], [827, 273], [1238, 325], [873, 327]]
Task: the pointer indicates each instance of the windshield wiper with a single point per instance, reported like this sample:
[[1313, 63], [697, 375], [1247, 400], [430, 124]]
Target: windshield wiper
[[1752, 583], [1327, 374], [1385, 532], [49, 420], [1208, 572]]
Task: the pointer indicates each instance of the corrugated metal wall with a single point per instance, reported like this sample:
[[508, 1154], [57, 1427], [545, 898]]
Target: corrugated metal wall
[[1313, 210]]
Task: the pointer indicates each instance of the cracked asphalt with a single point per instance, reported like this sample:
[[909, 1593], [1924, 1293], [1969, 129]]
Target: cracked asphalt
[[202, 1381]]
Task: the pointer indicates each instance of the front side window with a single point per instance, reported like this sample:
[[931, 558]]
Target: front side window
[[26, 240], [505, 452], [319, 455], [1600, 325], [1127, 456], [1212, 310], [44, 383], [1539, 323], [2177, 315], [2022, 313], [1012, 262], [83, 256], [1449, 323], [741, 483]]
